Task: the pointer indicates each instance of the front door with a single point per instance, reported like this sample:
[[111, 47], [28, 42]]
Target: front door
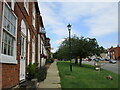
[[22, 57]]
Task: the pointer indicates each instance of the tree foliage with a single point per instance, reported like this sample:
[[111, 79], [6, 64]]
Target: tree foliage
[[80, 47]]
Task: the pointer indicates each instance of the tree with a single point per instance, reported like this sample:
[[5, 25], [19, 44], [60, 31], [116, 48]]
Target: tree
[[80, 47]]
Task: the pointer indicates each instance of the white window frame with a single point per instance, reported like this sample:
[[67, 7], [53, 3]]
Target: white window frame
[[26, 7], [28, 46], [33, 15], [33, 51], [12, 4], [7, 58]]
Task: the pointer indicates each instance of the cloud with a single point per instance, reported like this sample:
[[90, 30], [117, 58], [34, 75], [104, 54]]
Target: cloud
[[54, 49], [59, 41], [103, 22], [103, 17], [78, 0], [100, 17], [109, 44]]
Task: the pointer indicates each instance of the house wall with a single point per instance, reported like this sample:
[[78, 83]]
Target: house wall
[[103, 55], [10, 75], [43, 51], [114, 53], [11, 72], [0, 44]]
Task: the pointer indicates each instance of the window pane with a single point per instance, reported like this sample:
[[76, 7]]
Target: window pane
[[23, 47], [5, 23], [5, 49], [11, 28], [8, 26], [7, 43], [9, 15], [5, 38], [6, 12], [14, 30], [12, 43], [12, 19], [2, 47], [9, 40], [9, 50]]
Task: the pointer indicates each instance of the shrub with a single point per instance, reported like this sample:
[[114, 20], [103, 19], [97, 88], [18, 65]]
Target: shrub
[[47, 60], [31, 71], [41, 73], [50, 60], [36, 72]]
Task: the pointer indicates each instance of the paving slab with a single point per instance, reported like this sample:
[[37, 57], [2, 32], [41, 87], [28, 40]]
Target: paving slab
[[52, 80]]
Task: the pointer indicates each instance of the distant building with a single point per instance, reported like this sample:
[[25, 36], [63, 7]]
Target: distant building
[[113, 52]]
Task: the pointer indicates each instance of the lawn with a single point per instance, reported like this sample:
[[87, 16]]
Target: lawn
[[85, 77]]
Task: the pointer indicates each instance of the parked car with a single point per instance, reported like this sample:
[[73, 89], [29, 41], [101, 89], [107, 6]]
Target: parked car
[[89, 59], [101, 59], [86, 59], [106, 59], [95, 59], [112, 61]]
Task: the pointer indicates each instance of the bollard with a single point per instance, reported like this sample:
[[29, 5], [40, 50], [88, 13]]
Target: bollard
[[97, 66], [71, 67]]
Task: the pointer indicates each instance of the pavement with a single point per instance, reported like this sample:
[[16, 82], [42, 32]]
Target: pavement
[[52, 80], [108, 66]]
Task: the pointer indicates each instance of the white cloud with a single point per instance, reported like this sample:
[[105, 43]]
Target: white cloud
[[58, 41], [54, 49], [79, 0], [101, 18], [109, 44], [104, 21]]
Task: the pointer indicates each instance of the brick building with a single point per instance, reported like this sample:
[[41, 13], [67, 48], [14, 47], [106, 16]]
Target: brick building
[[20, 28], [113, 52]]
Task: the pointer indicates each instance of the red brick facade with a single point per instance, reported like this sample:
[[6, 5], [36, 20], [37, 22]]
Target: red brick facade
[[11, 72], [114, 52], [10, 75]]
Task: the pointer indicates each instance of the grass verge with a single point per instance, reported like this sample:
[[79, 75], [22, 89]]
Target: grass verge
[[85, 77]]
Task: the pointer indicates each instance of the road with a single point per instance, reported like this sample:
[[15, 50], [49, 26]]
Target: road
[[106, 65]]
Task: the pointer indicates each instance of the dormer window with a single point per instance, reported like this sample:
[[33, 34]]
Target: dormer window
[[33, 15], [26, 5]]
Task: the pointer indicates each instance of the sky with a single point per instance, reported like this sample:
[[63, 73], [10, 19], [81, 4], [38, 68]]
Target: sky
[[89, 19]]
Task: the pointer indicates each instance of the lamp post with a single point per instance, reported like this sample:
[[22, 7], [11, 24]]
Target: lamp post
[[69, 29]]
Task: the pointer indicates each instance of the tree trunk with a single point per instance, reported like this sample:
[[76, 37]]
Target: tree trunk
[[80, 62], [76, 61]]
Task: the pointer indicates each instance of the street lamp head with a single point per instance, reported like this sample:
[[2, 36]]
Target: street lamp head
[[69, 26]]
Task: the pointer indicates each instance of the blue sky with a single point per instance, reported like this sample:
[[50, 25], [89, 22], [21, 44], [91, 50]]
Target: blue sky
[[89, 19]]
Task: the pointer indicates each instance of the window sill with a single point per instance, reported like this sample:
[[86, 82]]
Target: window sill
[[8, 59]]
